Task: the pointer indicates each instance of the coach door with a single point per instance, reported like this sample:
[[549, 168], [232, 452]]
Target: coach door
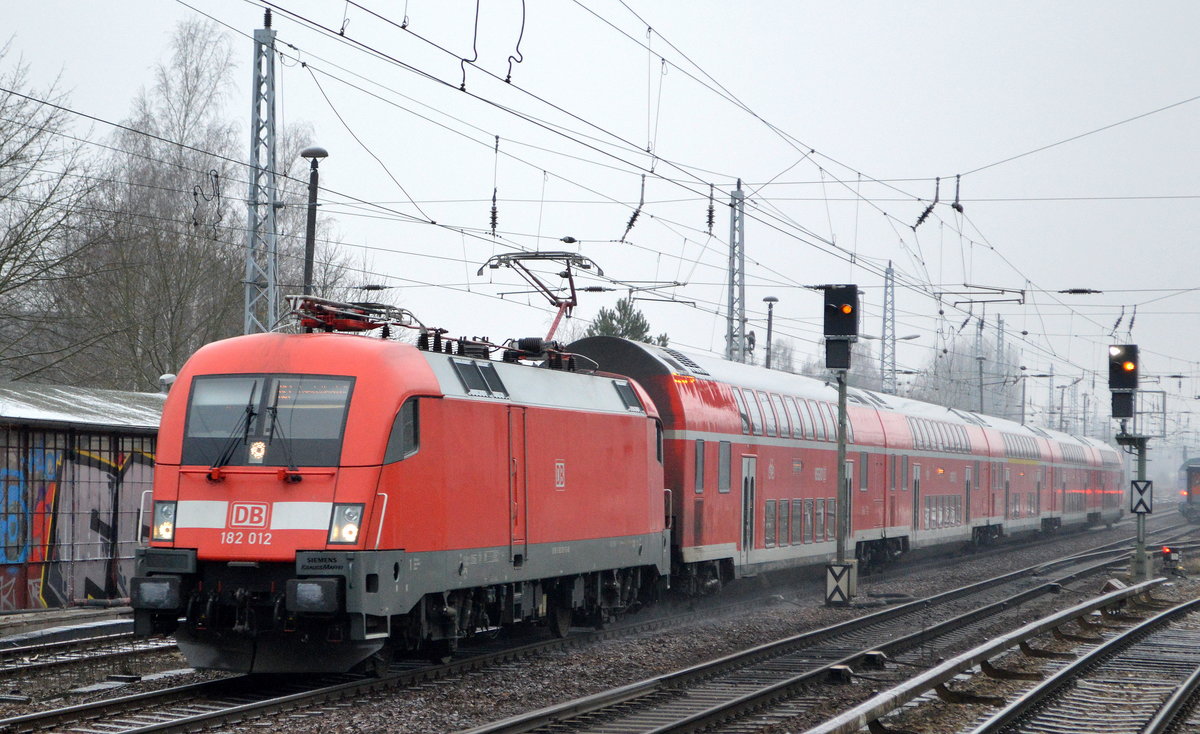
[[749, 485], [516, 484], [916, 498], [967, 477]]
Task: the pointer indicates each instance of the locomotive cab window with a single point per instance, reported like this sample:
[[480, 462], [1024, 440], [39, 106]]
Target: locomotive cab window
[[405, 437], [266, 420]]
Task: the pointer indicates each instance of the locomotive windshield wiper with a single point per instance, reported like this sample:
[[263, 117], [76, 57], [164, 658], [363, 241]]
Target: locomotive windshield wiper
[[243, 425], [273, 411]]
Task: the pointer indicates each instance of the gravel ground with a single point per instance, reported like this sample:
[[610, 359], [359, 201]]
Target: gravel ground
[[496, 693]]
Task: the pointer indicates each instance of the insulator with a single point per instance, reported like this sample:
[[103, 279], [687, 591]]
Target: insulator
[[437, 341], [531, 344], [511, 355], [494, 220], [386, 333], [423, 342], [571, 363], [712, 216]]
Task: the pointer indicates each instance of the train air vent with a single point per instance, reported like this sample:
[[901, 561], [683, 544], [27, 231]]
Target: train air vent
[[479, 378], [686, 361], [628, 396]]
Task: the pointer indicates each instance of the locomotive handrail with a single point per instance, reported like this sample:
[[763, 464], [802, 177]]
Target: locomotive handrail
[[668, 497], [142, 512], [270, 470], [382, 515]]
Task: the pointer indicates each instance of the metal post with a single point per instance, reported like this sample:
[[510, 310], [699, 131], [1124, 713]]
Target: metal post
[[979, 357], [1141, 561], [887, 341], [260, 287], [841, 576], [735, 331], [1023, 378], [843, 514], [770, 301], [314, 154]]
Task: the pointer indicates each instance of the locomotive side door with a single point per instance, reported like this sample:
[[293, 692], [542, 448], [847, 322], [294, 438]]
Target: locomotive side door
[[516, 484], [749, 482]]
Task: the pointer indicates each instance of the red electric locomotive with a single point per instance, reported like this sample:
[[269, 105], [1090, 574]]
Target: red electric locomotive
[[322, 497], [752, 466]]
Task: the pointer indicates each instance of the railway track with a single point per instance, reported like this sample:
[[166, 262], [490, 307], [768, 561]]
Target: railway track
[[1124, 674], [1137, 682], [225, 702], [36, 660], [786, 676], [236, 699]]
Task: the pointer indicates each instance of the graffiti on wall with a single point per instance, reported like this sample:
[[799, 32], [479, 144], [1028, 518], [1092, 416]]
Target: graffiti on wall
[[69, 524]]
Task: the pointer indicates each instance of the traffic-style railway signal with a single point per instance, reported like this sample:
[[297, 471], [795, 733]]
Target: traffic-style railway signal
[[841, 310], [1122, 378], [1123, 367]]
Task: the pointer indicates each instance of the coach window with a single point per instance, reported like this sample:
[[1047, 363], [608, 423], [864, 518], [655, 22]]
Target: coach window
[[785, 425], [756, 419], [806, 414], [794, 416], [405, 438], [768, 414], [699, 466], [818, 421], [819, 521], [783, 522], [797, 522], [724, 460], [892, 475], [769, 525], [742, 411], [863, 471]]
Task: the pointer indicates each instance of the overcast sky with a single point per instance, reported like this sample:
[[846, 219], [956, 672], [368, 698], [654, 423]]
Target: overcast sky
[[838, 116]]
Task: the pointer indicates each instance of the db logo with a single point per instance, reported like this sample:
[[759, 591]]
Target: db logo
[[248, 515]]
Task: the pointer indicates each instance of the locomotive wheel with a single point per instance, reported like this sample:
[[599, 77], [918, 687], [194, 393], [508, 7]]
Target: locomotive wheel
[[560, 620]]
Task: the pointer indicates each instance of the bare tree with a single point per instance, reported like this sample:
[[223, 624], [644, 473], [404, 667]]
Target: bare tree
[[165, 229], [41, 183], [969, 374]]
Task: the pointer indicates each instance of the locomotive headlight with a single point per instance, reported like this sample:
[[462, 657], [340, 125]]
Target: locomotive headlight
[[344, 525], [164, 521]]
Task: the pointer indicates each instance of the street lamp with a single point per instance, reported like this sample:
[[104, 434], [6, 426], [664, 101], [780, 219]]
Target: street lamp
[[314, 154], [887, 366], [770, 301]]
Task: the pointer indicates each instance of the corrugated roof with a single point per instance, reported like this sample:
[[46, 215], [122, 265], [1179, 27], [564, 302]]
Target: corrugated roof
[[79, 407]]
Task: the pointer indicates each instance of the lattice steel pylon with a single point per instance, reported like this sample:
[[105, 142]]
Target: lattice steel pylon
[[735, 329], [887, 340], [262, 254]]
